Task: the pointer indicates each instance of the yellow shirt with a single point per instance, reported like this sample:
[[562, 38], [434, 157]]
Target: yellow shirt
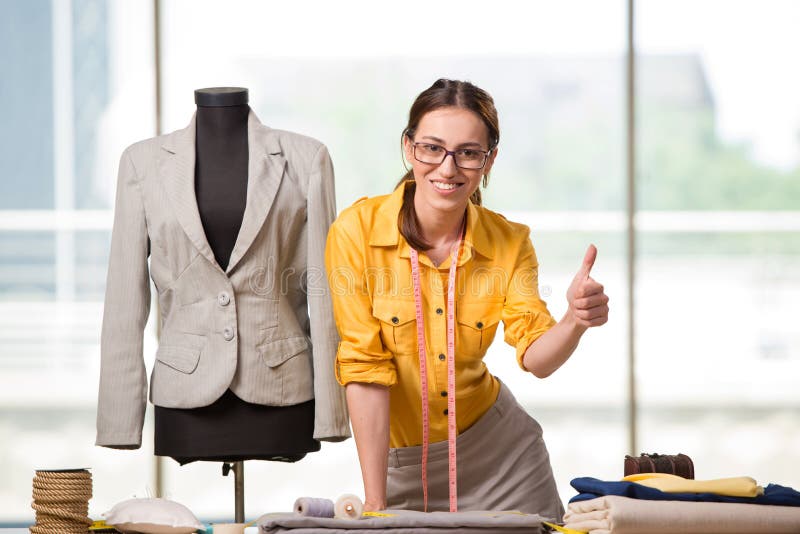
[[369, 270]]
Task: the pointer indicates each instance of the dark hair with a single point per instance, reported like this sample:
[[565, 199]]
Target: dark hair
[[443, 93]]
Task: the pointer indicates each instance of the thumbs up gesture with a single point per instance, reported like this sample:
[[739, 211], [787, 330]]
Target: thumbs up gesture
[[588, 304]]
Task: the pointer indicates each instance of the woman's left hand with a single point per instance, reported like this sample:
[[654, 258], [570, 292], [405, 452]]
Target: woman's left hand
[[588, 304]]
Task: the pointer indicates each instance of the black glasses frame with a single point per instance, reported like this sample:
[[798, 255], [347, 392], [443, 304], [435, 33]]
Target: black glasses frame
[[452, 153]]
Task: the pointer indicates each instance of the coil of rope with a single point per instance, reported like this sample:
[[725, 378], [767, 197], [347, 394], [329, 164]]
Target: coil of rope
[[61, 501]]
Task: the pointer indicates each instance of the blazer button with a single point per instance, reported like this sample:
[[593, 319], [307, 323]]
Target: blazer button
[[479, 324], [227, 333], [224, 299], [395, 320], [439, 311], [442, 357]]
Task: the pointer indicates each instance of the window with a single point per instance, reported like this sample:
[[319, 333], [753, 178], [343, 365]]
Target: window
[[719, 236], [80, 88]]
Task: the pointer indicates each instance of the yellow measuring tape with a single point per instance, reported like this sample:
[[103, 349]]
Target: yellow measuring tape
[[562, 529], [378, 514]]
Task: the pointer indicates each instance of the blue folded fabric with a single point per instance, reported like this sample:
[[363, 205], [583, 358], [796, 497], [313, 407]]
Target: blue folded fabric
[[590, 488]]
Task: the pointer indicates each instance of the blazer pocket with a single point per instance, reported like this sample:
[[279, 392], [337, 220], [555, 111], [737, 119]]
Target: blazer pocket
[[183, 359], [398, 324], [288, 373], [279, 351]]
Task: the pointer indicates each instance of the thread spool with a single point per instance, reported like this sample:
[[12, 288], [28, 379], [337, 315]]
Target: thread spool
[[348, 506], [314, 507]]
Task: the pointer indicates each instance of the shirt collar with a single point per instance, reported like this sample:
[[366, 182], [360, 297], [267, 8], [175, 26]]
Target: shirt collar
[[385, 232]]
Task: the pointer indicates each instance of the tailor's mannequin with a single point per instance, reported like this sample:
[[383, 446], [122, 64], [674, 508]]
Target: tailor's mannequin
[[230, 429], [220, 171]]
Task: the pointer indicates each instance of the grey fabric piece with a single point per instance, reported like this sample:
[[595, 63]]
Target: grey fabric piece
[[502, 464], [406, 521]]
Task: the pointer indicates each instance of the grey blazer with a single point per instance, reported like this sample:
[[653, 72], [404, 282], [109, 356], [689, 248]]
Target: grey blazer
[[263, 328]]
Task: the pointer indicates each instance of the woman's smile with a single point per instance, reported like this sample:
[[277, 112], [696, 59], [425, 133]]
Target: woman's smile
[[445, 188]]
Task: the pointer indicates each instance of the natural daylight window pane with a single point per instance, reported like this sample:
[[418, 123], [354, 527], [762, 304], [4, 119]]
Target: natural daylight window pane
[[719, 266], [77, 88]]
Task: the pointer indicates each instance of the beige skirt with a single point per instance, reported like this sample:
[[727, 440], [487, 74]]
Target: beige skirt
[[502, 465]]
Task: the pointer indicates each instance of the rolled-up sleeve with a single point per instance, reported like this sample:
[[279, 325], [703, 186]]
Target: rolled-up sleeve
[[525, 315], [361, 356]]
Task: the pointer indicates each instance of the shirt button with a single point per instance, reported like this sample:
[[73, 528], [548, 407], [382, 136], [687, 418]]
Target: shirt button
[[439, 311], [395, 320], [444, 393], [227, 333], [445, 411], [224, 299], [479, 324], [442, 357]]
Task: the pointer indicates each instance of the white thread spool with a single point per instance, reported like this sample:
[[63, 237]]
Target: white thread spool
[[314, 507], [348, 506]]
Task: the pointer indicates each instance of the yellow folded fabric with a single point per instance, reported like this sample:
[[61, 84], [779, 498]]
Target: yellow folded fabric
[[731, 487]]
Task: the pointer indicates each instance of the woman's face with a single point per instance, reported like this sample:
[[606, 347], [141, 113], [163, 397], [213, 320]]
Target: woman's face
[[446, 187]]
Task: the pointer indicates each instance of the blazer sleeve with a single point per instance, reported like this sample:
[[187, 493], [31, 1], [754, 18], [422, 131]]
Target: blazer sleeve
[[122, 394], [331, 421]]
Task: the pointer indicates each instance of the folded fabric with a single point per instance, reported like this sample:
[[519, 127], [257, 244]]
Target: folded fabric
[[590, 488], [404, 521], [732, 487], [621, 515]]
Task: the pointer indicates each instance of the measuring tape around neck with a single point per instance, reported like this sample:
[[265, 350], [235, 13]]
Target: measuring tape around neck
[[451, 375]]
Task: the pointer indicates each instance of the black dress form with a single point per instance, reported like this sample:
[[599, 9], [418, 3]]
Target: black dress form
[[230, 429]]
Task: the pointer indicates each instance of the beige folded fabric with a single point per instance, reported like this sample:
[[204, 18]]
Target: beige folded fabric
[[732, 487], [612, 514]]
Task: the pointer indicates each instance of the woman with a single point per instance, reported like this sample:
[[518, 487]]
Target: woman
[[420, 279]]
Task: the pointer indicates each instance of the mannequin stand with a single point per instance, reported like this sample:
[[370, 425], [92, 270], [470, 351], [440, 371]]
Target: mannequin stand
[[238, 487]]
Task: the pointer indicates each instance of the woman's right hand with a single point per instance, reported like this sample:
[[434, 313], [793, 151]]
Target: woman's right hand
[[374, 506], [368, 405]]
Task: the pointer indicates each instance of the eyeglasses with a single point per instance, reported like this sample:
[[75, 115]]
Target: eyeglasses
[[465, 158]]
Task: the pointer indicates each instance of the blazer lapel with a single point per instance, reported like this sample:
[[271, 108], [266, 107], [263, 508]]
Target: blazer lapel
[[265, 171], [176, 168]]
